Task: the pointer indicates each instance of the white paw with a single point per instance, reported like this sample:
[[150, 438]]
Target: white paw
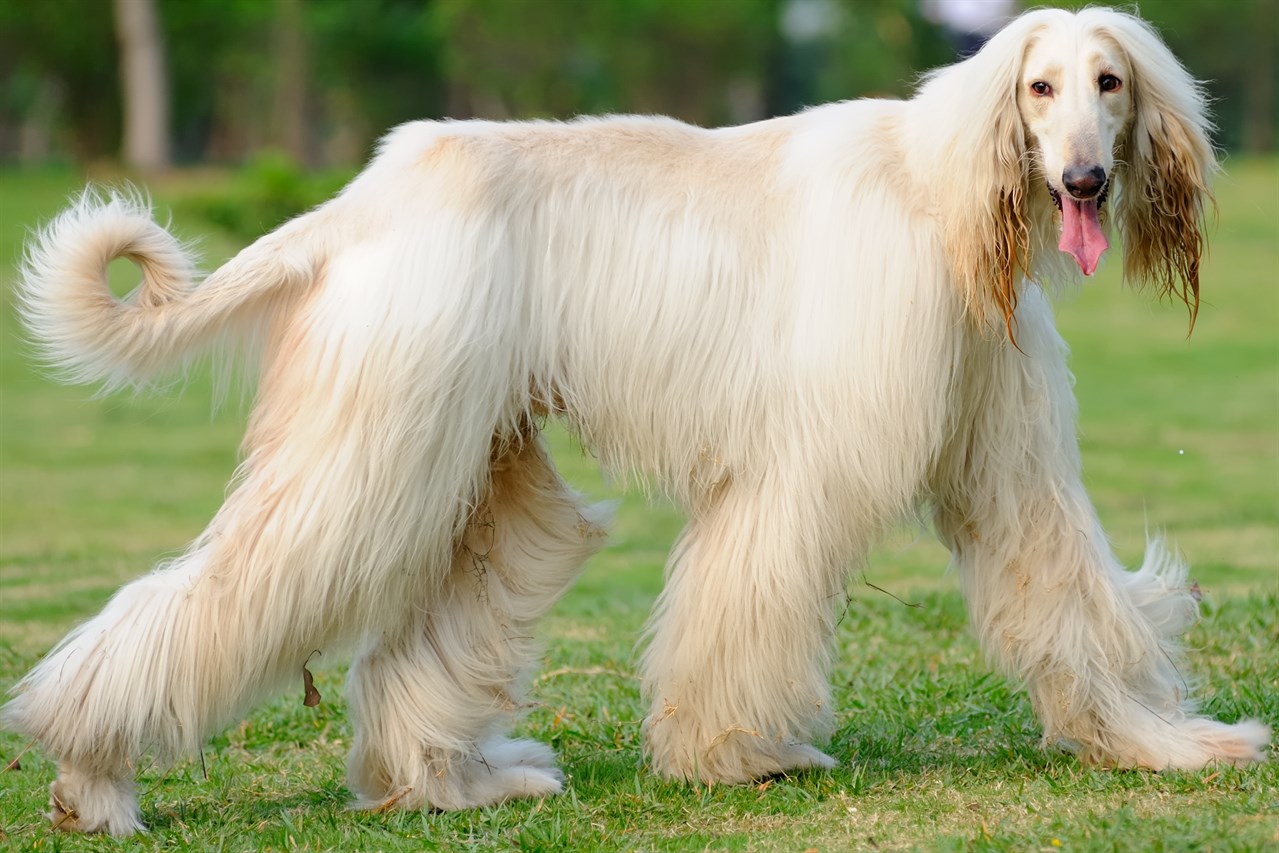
[[500, 752], [498, 771], [80, 802], [499, 784], [1187, 744], [1211, 741], [735, 756]]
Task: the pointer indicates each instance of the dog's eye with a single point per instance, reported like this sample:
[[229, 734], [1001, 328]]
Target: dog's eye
[[1109, 83], [1039, 87]]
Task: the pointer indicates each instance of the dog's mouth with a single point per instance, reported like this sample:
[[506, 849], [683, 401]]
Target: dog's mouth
[[1081, 234]]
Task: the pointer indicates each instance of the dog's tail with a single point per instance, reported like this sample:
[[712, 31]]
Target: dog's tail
[[88, 335]]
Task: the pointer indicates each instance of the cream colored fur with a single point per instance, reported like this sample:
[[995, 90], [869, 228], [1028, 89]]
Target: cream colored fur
[[803, 330]]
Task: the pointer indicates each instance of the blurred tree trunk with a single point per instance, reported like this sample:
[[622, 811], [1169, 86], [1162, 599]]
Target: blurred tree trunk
[[144, 85], [1259, 96], [289, 125], [38, 127]]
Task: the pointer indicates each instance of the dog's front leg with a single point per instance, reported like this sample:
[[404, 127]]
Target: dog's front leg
[[1094, 644], [736, 669]]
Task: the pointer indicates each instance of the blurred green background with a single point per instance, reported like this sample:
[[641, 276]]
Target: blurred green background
[[319, 80]]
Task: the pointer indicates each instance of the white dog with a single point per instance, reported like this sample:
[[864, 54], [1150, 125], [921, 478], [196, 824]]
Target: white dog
[[802, 329]]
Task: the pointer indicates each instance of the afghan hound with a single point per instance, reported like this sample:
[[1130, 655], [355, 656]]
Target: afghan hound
[[802, 330]]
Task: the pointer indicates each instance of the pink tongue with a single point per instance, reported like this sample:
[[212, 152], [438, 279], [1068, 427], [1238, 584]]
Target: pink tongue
[[1081, 233]]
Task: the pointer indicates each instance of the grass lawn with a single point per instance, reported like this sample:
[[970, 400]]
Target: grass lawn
[[1179, 434]]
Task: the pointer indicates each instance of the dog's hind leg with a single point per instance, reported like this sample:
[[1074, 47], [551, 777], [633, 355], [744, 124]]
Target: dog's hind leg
[[1094, 644], [736, 666], [355, 486], [147, 674], [432, 700], [187, 649]]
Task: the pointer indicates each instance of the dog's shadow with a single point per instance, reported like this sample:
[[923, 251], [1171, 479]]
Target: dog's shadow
[[887, 756]]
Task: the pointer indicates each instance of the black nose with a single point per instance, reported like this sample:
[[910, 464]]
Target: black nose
[[1084, 182]]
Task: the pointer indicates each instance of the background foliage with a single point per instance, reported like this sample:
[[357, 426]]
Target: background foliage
[[365, 65]]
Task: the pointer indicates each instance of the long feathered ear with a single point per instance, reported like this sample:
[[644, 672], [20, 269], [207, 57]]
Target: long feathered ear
[[1168, 159], [984, 165]]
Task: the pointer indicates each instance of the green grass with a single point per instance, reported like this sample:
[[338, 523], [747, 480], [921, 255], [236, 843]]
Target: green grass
[[937, 753]]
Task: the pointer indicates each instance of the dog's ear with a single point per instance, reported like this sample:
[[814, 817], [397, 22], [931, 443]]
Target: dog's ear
[[985, 163], [1168, 161]]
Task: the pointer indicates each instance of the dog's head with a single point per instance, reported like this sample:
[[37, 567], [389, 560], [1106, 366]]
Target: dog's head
[[1085, 113], [1076, 106]]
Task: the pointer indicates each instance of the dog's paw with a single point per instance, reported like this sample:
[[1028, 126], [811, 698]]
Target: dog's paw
[[778, 759], [735, 756], [501, 752], [500, 770], [801, 756], [1212, 742], [493, 785], [82, 802], [504, 770], [1188, 744]]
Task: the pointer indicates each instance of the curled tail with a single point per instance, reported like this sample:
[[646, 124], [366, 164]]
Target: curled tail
[[89, 335]]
